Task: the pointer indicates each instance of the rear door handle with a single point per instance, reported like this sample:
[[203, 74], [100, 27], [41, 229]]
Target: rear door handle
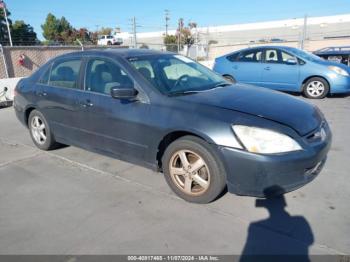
[[267, 68], [42, 94]]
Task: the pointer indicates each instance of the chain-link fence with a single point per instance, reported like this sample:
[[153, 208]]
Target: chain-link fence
[[12, 62], [3, 66], [36, 56]]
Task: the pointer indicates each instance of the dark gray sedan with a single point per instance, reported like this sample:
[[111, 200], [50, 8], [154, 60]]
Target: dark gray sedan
[[169, 113]]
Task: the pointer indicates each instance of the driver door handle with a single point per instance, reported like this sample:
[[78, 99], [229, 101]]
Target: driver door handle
[[267, 68], [86, 103]]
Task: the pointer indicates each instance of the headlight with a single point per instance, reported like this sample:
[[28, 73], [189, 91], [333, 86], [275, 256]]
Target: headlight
[[264, 141], [338, 70]]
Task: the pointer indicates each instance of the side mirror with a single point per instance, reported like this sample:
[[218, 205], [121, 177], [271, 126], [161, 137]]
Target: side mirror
[[123, 92], [291, 61]]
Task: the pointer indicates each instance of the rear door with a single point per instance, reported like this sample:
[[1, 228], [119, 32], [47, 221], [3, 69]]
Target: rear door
[[277, 72], [58, 98], [247, 67]]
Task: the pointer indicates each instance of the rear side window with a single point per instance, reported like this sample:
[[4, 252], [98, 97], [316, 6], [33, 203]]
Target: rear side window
[[65, 74], [252, 56]]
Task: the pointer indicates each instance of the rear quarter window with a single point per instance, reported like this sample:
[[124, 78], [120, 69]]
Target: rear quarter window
[[44, 78], [233, 57]]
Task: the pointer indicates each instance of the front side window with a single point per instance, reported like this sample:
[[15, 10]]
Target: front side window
[[271, 56], [102, 75], [253, 56], [65, 74], [174, 74]]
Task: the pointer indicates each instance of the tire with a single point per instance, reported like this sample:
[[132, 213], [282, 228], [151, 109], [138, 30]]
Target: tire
[[231, 79], [200, 183], [40, 131], [109, 43], [316, 88]]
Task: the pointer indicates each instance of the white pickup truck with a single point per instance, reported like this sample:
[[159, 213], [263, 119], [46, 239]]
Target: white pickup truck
[[109, 40]]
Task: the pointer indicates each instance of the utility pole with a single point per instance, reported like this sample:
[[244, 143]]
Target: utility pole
[[303, 38], [134, 32], [181, 23], [3, 6], [167, 19]]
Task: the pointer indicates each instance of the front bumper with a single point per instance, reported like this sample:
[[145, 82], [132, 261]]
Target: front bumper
[[263, 175], [340, 85]]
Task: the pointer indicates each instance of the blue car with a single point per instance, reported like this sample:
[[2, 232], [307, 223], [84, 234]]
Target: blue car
[[285, 69]]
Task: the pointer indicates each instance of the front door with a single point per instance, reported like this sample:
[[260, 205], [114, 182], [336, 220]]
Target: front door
[[113, 125], [278, 73], [247, 68]]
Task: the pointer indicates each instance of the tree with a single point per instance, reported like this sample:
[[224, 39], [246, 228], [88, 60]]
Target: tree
[[4, 39], [23, 34], [170, 42], [105, 31], [51, 28], [187, 38], [59, 30], [84, 35]]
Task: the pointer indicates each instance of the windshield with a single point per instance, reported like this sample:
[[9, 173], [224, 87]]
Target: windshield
[[175, 74], [306, 55]]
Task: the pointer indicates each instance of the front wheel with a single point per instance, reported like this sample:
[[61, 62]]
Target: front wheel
[[40, 131], [316, 88], [193, 171]]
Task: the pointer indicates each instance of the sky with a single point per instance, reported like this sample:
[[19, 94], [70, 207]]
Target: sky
[[150, 14]]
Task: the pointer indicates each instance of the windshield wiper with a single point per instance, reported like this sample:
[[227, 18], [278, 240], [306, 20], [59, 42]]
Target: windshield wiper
[[222, 84], [187, 92]]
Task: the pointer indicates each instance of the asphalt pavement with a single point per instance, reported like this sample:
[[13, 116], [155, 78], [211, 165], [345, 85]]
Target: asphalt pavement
[[71, 201]]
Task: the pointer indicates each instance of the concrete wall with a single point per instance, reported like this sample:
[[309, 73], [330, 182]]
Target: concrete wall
[[9, 84]]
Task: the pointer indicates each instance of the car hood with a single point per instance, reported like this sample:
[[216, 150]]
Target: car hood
[[331, 63], [276, 106]]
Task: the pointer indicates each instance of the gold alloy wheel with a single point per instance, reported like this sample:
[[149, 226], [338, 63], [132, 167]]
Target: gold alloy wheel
[[189, 172]]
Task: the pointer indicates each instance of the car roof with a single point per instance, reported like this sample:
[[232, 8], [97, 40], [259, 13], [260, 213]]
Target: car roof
[[334, 50], [261, 47], [122, 52]]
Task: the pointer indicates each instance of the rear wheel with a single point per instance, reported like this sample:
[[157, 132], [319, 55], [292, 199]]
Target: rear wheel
[[40, 131], [231, 79], [316, 88], [193, 171]]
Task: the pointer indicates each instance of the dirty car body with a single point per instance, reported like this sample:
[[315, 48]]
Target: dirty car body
[[139, 130]]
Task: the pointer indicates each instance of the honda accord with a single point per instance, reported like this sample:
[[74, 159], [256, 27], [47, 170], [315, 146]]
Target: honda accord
[[168, 113]]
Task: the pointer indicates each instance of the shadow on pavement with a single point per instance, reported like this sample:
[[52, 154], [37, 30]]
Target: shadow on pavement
[[280, 237]]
